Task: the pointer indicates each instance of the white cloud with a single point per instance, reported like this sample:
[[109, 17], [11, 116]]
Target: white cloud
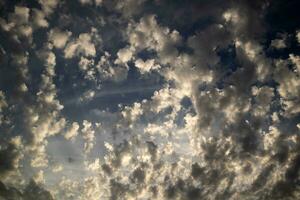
[[39, 177], [298, 36], [93, 166], [81, 46], [131, 114], [108, 71], [88, 95], [88, 67], [124, 55], [48, 6], [59, 38], [21, 15], [146, 66], [88, 134], [296, 61], [263, 99], [278, 44], [57, 168], [3, 105], [72, 131], [147, 34], [39, 19], [288, 88]]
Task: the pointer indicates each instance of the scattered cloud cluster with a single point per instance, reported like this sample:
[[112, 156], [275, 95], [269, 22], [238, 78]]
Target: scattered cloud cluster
[[119, 102]]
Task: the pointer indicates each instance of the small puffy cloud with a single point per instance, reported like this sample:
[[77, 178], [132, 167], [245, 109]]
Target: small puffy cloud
[[57, 168], [148, 34], [298, 36], [278, 44], [39, 177], [21, 15], [86, 1], [3, 102], [146, 66], [18, 23], [93, 166], [296, 61], [23, 88], [40, 158], [109, 71], [3, 105], [48, 6], [88, 134], [88, 95], [231, 16], [59, 38], [90, 2], [288, 81], [263, 98], [72, 131], [130, 7], [87, 66], [38, 19], [124, 55], [131, 114], [81, 46]]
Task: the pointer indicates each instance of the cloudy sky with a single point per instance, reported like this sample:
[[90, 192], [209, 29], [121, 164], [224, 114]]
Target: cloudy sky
[[149, 99]]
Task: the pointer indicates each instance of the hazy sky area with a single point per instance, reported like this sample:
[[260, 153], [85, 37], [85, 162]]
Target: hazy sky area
[[149, 99]]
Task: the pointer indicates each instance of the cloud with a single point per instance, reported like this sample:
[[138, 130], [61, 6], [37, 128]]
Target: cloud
[[298, 36], [48, 6], [124, 55], [278, 43], [146, 66], [32, 190], [72, 131], [108, 71], [3, 105], [59, 38], [88, 134], [39, 19], [221, 119], [81, 46], [11, 156], [88, 95], [90, 2]]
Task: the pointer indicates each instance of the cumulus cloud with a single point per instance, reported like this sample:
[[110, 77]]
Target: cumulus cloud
[[124, 55], [59, 38], [81, 46], [108, 71], [298, 36], [164, 110], [72, 131], [48, 6], [88, 134], [146, 66], [39, 19]]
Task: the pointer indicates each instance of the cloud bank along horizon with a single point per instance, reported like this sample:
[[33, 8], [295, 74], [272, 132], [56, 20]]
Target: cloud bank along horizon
[[139, 99]]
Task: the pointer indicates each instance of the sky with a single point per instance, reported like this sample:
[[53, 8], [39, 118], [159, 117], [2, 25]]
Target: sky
[[149, 99]]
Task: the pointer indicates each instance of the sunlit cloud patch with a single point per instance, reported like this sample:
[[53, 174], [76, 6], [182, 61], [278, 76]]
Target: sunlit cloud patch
[[140, 99]]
